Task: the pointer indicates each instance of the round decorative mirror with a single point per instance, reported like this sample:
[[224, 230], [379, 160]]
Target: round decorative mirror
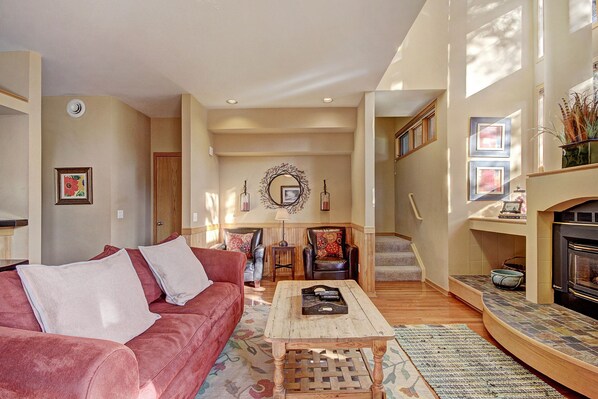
[[284, 186]]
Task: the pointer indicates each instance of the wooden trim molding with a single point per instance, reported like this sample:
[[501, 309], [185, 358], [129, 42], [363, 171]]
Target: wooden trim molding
[[437, 287], [198, 229], [466, 293]]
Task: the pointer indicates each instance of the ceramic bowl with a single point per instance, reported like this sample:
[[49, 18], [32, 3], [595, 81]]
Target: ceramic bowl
[[506, 279]]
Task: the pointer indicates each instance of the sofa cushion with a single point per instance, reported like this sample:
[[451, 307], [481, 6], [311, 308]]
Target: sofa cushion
[[329, 243], [95, 299], [15, 310], [164, 349], [330, 264], [213, 302], [178, 271], [151, 289], [239, 243]]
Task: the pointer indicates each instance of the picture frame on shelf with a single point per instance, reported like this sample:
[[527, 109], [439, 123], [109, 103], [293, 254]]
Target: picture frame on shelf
[[289, 194], [73, 186], [488, 180], [511, 207], [490, 137]]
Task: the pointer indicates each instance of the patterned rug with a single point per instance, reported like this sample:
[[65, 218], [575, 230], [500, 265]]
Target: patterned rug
[[245, 368], [458, 363]]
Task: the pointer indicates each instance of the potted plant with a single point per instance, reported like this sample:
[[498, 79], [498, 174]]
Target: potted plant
[[579, 136]]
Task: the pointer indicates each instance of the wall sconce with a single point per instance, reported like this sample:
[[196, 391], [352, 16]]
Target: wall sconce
[[325, 199], [244, 199]]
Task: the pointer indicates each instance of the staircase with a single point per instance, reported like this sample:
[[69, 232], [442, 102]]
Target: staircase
[[395, 261]]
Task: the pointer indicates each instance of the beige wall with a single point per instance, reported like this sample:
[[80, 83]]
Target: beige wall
[[20, 151], [334, 168], [166, 134], [424, 173], [113, 139], [385, 184], [358, 169], [130, 177], [200, 170], [424, 51], [497, 83]]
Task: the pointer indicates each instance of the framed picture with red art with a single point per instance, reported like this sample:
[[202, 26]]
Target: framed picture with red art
[[488, 180], [489, 137], [73, 186]]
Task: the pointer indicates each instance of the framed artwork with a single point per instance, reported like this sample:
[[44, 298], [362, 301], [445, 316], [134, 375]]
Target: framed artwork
[[73, 186], [289, 194], [488, 181], [511, 207], [490, 137]]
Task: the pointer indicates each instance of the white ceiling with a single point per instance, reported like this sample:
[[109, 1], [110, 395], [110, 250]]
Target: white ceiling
[[264, 53]]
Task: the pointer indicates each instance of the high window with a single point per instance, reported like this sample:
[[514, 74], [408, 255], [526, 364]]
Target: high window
[[420, 131], [540, 15], [540, 123]]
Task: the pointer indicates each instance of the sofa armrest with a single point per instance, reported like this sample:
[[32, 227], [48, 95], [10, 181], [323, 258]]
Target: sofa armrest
[[41, 365], [219, 245], [224, 266], [308, 257], [353, 257]]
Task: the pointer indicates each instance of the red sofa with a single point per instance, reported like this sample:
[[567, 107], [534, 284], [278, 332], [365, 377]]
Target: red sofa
[[169, 360]]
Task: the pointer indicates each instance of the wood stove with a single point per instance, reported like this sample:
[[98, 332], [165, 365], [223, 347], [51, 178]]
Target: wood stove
[[575, 258]]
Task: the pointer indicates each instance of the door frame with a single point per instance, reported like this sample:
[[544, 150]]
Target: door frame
[[155, 193]]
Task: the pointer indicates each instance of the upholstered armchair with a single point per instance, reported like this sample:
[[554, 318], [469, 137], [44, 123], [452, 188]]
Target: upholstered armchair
[[328, 256], [249, 241]]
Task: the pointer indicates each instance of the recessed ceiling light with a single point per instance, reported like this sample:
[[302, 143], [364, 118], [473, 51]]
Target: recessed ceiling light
[[328, 100], [231, 101]]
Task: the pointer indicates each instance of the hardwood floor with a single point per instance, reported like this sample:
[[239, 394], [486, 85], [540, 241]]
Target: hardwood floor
[[415, 303]]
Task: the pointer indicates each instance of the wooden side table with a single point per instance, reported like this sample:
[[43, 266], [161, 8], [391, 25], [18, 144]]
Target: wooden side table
[[278, 250]]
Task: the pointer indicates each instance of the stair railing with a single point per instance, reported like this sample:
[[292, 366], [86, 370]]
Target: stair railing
[[414, 206]]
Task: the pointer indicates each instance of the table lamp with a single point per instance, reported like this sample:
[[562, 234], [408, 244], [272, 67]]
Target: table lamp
[[282, 214]]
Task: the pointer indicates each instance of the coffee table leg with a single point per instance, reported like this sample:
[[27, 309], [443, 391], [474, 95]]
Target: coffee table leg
[[378, 349], [278, 353]]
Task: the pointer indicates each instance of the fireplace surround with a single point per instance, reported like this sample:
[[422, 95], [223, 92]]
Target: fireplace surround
[[575, 258]]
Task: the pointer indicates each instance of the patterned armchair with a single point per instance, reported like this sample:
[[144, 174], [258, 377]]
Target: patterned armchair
[[328, 256], [249, 241]]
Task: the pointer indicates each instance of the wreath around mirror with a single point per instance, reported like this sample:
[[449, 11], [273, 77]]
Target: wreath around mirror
[[282, 170]]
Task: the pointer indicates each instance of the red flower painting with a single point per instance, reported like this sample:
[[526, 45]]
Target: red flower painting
[[71, 186]]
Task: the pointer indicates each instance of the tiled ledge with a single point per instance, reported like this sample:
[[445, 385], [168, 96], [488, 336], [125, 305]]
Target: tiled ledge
[[556, 341]]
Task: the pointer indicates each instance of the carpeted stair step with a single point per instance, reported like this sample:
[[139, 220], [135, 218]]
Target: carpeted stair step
[[395, 259], [398, 273], [392, 244]]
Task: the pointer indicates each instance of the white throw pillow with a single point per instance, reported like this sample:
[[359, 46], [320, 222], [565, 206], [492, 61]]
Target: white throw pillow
[[178, 271], [96, 299]]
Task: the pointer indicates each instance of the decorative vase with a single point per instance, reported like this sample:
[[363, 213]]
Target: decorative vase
[[580, 153]]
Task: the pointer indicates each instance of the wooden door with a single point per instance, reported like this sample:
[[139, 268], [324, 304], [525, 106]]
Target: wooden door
[[167, 194]]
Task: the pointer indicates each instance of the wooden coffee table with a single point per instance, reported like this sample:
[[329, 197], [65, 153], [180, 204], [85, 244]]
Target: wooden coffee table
[[363, 327]]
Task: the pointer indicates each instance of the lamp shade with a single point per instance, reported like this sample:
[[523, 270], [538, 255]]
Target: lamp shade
[[282, 214]]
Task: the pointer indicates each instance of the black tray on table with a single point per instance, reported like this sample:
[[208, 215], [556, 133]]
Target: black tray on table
[[322, 299]]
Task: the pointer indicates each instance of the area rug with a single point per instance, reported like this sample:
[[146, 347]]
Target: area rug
[[458, 363], [245, 367]]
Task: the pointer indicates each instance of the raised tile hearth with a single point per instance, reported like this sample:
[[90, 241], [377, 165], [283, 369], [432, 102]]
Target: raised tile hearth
[[558, 342]]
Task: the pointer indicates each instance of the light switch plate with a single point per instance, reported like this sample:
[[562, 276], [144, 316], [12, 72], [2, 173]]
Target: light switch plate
[[120, 214], [195, 216]]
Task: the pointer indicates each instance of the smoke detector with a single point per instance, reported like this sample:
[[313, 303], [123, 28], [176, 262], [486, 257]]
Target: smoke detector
[[75, 108]]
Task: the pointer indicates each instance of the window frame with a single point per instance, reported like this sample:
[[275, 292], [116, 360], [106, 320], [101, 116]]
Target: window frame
[[421, 119]]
